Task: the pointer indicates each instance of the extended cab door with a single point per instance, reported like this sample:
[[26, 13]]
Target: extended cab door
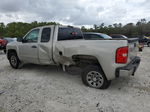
[[45, 45], [28, 50]]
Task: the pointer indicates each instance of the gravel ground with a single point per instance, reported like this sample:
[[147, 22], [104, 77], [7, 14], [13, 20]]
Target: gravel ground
[[48, 89]]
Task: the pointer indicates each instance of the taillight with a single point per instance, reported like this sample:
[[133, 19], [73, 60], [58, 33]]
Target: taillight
[[122, 55]]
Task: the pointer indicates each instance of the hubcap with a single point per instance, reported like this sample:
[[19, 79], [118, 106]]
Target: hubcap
[[95, 79], [13, 60]]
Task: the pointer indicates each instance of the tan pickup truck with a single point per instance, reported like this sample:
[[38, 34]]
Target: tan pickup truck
[[101, 60]]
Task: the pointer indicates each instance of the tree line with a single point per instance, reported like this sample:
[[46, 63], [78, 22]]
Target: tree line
[[131, 30], [19, 29]]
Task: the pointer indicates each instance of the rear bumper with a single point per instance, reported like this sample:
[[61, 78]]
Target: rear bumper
[[128, 69]]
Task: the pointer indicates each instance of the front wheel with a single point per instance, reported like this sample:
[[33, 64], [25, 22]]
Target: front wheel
[[94, 77], [14, 60], [5, 51]]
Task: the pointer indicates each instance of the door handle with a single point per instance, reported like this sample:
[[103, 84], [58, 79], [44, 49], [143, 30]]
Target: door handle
[[34, 47]]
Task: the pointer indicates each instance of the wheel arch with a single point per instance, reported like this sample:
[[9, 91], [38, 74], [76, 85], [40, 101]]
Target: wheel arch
[[88, 59], [9, 51]]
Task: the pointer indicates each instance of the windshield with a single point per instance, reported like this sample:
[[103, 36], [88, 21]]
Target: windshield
[[96, 36], [105, 36], [119, 36], [124, 36]]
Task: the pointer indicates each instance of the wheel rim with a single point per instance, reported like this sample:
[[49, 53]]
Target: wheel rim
[[95, 79], [13, 60]]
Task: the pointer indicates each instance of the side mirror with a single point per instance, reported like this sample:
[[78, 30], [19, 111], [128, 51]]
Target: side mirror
[[24, 41], [19, 39]]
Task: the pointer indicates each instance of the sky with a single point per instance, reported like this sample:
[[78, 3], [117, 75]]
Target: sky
[[75, 12]]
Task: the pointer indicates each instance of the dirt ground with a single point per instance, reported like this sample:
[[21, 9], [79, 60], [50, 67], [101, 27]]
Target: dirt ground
[[48, 89]]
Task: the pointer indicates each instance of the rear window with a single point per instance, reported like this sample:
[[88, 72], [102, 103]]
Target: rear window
[[69, 34]]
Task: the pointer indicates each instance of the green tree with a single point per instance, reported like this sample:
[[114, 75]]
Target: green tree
[[2, 29]]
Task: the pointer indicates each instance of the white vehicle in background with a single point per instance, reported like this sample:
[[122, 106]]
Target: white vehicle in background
[[101, 60]]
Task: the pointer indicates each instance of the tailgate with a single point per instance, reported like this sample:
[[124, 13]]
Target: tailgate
[[133, 48]]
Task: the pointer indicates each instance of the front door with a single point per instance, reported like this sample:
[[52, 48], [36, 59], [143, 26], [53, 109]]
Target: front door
[[28, 50]]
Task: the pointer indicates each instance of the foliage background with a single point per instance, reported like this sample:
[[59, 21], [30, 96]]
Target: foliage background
[[141, 28]]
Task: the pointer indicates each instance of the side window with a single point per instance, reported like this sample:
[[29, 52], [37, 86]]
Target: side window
[[46, 33], [32, 37], [69, 34]]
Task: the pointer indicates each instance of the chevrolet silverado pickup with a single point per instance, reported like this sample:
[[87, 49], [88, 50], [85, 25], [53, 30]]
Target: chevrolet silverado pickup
[[100, 60]]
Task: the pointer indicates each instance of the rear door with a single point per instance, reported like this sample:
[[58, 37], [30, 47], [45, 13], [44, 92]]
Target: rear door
[[45, 46]]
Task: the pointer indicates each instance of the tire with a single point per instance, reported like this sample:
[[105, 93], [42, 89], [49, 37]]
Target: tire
[[14, 60], [148, 44], [140, 49], [5, 51], [94, 77]]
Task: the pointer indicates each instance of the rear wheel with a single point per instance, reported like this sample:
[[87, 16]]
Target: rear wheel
[[14, 60], [140, 49], [94, 77]]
